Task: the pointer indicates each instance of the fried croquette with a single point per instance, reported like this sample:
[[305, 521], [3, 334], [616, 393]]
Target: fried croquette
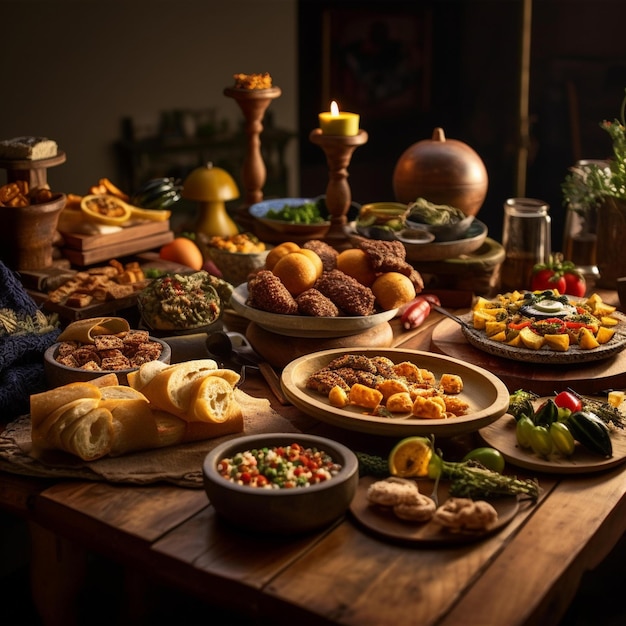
[[267, 292], [315, 304], [348, 294]]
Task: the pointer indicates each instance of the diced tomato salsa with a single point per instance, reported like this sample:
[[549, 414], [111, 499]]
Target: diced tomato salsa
[[281, 467]]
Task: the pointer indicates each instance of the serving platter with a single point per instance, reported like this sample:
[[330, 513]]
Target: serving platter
[[302, 325], [487, 396], [501, 435], [383, 522], [439, 250], [574, 355]]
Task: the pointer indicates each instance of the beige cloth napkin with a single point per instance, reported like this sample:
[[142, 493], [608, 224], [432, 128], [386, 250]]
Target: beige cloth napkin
[[180, 465]]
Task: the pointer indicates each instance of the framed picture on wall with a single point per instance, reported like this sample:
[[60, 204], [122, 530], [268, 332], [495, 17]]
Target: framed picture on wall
[[376, 63]]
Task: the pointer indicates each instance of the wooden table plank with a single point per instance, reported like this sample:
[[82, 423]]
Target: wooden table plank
[[573, 530]]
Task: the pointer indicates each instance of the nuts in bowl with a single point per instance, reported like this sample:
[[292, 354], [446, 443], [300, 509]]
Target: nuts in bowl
[[237, 256]]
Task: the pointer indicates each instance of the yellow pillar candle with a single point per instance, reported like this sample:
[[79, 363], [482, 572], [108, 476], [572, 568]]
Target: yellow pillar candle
[[336, 123]]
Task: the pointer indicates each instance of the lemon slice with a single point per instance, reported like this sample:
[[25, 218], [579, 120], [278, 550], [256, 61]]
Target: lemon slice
[[113, 211], [410, 457]]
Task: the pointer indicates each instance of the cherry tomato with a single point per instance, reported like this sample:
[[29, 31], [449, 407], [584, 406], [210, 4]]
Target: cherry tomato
[[575, 284], [488, 457], [547, 278], [568, 400]]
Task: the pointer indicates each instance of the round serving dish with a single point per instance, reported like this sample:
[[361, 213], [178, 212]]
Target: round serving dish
[[259, 213], [57, 374], [284, 511], [303, 326]]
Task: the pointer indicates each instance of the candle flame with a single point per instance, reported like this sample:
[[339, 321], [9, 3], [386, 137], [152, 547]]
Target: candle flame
[[334, 109]]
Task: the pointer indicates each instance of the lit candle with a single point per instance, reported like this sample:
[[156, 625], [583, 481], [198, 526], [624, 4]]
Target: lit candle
[[335, 123]]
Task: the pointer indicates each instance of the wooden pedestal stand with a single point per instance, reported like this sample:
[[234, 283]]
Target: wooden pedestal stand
[[338, 150], [253, 103]]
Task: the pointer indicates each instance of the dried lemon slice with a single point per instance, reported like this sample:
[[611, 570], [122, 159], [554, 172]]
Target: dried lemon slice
[[113, 211], [410, 457]]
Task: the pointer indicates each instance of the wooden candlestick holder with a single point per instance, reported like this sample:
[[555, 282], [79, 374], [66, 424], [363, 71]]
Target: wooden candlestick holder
[[253, 103], [338, 150]]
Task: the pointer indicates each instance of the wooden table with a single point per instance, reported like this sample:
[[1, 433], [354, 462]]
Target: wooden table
[[527, 573]]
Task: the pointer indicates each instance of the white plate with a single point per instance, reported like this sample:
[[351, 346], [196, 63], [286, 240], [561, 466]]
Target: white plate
[[486, 394], [575, 354], [302, 325]]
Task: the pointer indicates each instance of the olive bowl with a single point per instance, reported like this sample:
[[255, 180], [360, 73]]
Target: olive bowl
[[281, 511]]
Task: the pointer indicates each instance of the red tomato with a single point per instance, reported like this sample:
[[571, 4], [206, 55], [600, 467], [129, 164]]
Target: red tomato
[[575, 284], [547, 279], [568, 400]]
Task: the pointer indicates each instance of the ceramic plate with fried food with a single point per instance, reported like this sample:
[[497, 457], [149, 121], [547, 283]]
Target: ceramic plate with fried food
[[486, 395]]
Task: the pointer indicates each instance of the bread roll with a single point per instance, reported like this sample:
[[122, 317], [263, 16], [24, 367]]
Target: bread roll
[[44, 403], [171, 388], [139, 378], [212, 397], [47, 433], [122, 392], [91, 436]]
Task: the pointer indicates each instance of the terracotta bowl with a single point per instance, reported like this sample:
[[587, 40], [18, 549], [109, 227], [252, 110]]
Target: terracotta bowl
[[57, 374], [281, 511]]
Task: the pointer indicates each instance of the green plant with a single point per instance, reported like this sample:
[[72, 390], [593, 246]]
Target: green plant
[[585, 186]]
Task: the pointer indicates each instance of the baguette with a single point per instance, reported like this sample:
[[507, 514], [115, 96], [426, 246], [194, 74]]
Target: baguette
[[44, 403], [92, 420], [134, 425]]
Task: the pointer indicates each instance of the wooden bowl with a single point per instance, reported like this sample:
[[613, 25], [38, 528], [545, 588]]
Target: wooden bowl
[[27, 233]]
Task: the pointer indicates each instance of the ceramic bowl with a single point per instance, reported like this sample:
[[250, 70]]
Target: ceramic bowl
[[281, 511], [260, 209], [444, 232], [57, 374]]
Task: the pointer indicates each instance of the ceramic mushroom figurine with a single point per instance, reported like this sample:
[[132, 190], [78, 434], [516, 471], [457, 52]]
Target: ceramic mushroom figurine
[[211, 187]]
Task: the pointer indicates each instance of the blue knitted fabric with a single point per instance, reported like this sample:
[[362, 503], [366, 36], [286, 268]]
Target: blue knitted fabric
[[21, 356]]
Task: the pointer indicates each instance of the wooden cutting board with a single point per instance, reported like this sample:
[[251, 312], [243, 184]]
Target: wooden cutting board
[[544, 379]]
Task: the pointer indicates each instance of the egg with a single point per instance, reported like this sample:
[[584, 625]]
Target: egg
[[184, 251]]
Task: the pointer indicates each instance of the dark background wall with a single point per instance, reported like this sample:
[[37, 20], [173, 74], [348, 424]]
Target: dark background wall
[[577, 79]]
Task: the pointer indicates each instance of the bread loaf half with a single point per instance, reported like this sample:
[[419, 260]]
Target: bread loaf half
[[171, 388], [212, 400]]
